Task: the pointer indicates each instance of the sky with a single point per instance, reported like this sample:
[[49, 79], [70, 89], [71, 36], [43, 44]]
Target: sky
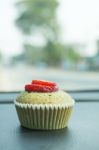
[[78, 19]]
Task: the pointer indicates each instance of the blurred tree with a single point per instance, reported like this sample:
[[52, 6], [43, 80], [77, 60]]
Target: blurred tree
[[31, 54], [72, 55], [53, 53], [40, 16]]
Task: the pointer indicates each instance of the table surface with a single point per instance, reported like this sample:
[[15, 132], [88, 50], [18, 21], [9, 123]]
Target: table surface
[[82, 132]]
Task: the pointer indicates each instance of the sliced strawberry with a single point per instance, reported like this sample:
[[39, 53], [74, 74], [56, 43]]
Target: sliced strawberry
[[39, 88], [55, 89], [44, 82]]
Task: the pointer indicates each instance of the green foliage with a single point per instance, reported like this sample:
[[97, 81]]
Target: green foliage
[[53, 53], [72, 55], [37, 14], [31, 54], [40, 16]]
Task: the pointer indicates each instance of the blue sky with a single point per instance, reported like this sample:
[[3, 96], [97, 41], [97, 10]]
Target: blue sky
[[79, 21]]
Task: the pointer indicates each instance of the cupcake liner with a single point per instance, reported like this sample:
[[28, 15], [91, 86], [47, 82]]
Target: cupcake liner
[[44, 116]]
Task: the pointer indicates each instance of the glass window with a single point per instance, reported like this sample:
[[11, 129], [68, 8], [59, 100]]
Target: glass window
[[56, 40]]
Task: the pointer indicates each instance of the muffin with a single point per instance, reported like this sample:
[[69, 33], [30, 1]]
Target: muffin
[[44, 106]]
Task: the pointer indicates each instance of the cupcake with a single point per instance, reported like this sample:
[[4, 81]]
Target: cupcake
[[44, 106]]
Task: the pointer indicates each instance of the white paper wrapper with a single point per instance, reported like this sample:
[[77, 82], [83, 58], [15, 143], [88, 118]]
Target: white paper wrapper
[[43, 117]]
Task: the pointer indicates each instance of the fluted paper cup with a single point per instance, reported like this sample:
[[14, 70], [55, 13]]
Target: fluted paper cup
[[44, 116]]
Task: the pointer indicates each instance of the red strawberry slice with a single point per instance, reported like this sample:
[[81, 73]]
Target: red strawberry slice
[[39, 88], [55, 89], [43, 82]]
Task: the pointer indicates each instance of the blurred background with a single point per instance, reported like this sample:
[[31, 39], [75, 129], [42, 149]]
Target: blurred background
[[55, 40]]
